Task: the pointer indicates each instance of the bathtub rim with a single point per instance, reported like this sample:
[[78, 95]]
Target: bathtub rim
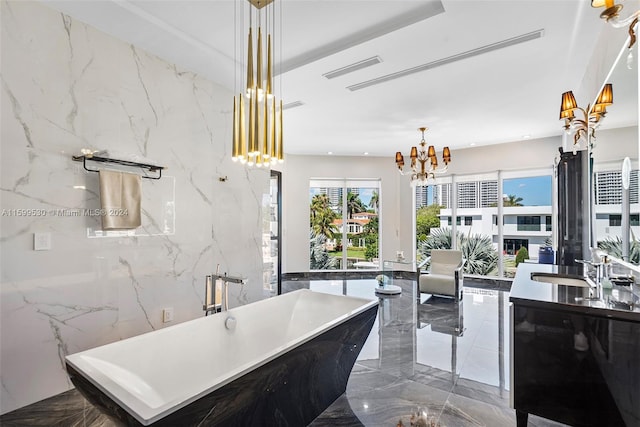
[[147, 415]]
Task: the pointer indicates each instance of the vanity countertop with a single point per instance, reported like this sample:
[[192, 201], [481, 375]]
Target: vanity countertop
[[526, 291]]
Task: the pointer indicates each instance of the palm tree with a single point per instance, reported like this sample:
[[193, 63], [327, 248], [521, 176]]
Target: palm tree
[[323, 224], [375, 202], [512, 200], [319, 202], [354, 204], [372, 226]]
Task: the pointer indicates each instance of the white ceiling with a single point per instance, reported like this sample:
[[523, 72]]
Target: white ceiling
[[495, 97]]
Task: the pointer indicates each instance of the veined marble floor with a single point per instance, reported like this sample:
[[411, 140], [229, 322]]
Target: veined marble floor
[[444, 361]]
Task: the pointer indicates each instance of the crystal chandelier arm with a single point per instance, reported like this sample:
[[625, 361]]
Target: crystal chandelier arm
[[616, 22]]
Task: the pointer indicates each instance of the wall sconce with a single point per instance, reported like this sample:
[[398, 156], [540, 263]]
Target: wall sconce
[[591, 117], [611, 14]]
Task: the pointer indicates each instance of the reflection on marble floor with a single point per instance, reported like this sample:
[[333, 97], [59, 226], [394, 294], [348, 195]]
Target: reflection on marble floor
[[445, 361]]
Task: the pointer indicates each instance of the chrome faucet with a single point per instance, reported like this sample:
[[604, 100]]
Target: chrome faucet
[[211, 304]]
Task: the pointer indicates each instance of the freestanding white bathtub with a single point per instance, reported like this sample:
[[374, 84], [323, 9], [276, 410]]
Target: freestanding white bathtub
[[279, 361]]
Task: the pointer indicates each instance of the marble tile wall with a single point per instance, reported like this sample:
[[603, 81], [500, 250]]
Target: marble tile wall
[[67, 86]]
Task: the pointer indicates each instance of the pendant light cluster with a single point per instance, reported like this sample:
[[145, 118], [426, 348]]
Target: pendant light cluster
[[257, 115]]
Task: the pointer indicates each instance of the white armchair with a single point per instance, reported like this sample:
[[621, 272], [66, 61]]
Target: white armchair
[[445, 276]]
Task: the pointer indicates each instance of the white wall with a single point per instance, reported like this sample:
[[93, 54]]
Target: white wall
[[67, 86]]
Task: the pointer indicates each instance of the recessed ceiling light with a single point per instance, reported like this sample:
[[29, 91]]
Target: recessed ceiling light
[[365, 153], [472, 144], [330, 152], [526, 136]]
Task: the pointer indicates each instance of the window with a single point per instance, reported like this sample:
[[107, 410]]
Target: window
[[344, 224], [511, 246], [467, 194], [467, 220], [528, 223], [615, 220], [525, 221]]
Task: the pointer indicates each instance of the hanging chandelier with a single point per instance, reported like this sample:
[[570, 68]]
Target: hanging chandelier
[[611, 14], [421, 173], [591, 117], [257, 114]]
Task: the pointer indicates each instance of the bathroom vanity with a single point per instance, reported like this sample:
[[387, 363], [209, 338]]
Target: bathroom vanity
[[575, 349]]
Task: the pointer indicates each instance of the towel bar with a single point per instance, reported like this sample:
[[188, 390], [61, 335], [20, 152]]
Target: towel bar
[[151, 168]]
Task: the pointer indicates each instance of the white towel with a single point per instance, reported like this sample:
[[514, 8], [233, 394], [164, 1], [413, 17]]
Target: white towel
[[120, 200]]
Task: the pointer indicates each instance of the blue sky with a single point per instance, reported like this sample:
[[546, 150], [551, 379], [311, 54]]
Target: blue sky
[[535, 191]]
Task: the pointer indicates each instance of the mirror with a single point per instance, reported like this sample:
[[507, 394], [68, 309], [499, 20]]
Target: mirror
[[616, 138]]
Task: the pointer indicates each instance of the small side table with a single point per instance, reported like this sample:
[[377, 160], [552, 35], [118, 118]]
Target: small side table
[[388, 269]]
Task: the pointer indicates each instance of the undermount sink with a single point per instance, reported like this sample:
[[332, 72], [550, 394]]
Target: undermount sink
[[561, 280]]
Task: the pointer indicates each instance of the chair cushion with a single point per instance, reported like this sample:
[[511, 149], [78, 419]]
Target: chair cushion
[[448, 269], [441, 284], [446, 256]]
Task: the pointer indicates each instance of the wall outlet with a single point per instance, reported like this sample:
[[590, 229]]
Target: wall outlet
[[167, 314], [41, 241]]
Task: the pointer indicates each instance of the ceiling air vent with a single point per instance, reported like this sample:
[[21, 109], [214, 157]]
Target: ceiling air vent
[[293, 104], [353, 67], [457, 57]]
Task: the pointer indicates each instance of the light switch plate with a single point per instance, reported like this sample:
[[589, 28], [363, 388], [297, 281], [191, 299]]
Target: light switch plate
[[41, 241]]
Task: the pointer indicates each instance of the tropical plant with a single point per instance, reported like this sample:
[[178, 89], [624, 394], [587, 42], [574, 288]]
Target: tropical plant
[[440, 238], [613, 246], [319, 258], [375, 201], [323, 223], [512, 200], [354, 204], [322, 217], [481, 256], [319, 203], [371, 227], [371, 249], [427, 217], [521, 255], [477, 249]]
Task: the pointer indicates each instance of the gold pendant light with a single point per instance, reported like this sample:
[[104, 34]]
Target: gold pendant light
[[257, 139]]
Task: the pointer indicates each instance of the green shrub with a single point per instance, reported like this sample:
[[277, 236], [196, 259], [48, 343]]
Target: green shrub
[[522, 254]]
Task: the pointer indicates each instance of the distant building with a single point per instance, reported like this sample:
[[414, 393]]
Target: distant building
[[608, 204], [529, 226], [355, 226]]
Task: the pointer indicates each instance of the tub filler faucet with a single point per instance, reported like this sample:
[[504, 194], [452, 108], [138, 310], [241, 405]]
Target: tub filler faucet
[[217, 299]]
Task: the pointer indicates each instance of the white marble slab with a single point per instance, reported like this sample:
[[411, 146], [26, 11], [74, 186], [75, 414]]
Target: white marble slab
[[67, 86]]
